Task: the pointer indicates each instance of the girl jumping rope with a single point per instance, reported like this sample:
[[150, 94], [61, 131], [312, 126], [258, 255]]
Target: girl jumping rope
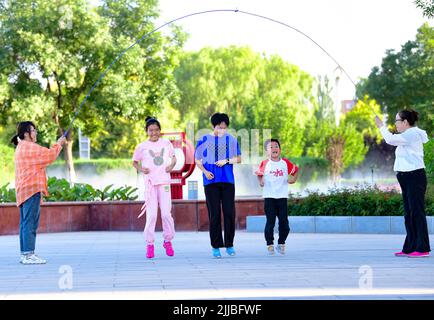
[[157, 159]]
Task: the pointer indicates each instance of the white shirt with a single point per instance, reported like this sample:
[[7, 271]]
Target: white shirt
[[409, 151], [275, 175]]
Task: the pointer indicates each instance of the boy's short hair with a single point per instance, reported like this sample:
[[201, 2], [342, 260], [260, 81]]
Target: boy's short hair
[[218, 118], [269, 141]]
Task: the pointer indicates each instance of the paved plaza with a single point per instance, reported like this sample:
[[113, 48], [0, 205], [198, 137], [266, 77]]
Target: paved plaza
[[112, 265]]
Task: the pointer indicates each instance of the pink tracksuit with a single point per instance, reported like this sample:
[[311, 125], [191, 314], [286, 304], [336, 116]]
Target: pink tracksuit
[[156, 156]]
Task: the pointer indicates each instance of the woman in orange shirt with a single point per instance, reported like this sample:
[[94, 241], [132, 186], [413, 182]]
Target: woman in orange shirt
[[31, 160]]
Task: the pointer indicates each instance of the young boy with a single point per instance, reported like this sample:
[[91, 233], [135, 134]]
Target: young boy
[[274, 174]]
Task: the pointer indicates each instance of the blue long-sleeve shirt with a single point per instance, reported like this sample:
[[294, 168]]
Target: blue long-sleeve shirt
[[211, 149]]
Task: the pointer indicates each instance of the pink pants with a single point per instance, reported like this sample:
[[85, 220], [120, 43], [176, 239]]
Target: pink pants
[[159, 195]]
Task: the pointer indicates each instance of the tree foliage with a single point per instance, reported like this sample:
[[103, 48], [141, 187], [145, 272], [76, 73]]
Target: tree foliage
[[427, 7], [363, 118], [52, 52], [342, 145], [257, 92], [405, 79]]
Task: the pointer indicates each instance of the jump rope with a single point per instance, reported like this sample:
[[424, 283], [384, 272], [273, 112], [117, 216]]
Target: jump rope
[[339, 67]]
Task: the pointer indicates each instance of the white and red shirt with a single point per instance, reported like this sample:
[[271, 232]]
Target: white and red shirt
[[275, 175]]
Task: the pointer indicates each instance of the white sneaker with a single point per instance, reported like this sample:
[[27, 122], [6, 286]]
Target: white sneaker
[[280, 248], [32, 259], [270, 250]]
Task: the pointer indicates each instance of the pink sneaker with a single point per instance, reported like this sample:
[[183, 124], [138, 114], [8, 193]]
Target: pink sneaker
[[150, 251], [418, 254], [401, 254], [169, 249]]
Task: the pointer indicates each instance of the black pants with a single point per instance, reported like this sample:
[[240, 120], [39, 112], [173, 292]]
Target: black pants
[[276, 208], [413, 185], [221, 195]]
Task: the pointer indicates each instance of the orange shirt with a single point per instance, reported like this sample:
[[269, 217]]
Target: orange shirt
[[31, 160]]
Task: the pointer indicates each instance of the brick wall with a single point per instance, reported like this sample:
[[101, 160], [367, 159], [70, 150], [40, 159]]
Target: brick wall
[[189, 215]]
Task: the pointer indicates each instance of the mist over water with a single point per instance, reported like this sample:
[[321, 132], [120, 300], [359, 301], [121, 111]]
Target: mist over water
[[116, 177], [246, 182], [376, 170]]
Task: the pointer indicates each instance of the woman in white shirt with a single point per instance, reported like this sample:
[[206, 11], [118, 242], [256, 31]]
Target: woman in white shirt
[[411, 176]]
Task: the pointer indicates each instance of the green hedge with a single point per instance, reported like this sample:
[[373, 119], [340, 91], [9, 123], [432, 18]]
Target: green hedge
[[429, 159], [7, 166], [7, 194], [362, 201], [61, 190]]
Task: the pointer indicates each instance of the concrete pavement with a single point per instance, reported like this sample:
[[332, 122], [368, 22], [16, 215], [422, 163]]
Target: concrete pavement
[[112, 265]]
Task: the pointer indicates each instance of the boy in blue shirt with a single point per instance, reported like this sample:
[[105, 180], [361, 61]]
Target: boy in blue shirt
[[215, 155]]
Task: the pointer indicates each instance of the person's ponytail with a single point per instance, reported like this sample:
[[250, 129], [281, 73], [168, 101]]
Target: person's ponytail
[[22, 128], [14, 140], [410, 115]]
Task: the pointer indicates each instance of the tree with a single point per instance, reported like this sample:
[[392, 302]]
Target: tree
[[429, 160], [405, 79], [213, 80], [325, 110], [283, 103], [363, 118], [52, 53], [120, 136], [6, 159], [427, 7], [379, 154], [257, 92], [342, 145]]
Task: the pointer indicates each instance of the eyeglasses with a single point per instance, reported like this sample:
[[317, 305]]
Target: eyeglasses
[[398, 120]]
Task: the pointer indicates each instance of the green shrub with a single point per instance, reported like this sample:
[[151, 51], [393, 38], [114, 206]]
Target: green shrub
[[61, 190], [7, 194], [7, 166], [429, 159], [361, 201]]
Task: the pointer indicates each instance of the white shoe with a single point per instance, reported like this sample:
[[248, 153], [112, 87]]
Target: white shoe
[[32, 259], [270, 250], [280, 248]]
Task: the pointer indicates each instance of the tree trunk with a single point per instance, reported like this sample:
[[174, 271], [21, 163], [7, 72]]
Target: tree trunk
[[67, 152], [69, 159], [334, 154]]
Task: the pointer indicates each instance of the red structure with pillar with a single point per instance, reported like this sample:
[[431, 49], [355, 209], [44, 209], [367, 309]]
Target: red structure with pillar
[[180, 173]]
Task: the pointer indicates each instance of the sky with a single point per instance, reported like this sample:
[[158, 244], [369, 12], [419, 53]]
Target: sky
[[356, 33]]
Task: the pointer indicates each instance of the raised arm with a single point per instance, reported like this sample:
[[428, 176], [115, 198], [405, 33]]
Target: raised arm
[[42, 156], [390, 138], [394, 139]]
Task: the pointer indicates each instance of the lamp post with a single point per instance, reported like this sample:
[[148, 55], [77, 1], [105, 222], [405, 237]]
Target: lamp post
[[337, 73]]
